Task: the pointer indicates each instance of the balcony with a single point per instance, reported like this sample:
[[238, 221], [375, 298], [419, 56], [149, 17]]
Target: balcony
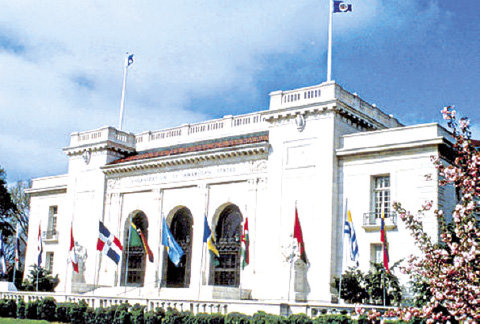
[[50, 236], [372, 221]]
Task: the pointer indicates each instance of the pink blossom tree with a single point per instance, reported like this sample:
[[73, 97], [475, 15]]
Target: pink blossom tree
[[451, 268]]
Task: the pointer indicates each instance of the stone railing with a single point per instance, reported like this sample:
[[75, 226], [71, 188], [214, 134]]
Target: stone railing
[[100, 135], [228, 125], [248, 307]]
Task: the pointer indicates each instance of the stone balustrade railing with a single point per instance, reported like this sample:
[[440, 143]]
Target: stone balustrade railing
[[248, 307], [225, 126], [106, 133]]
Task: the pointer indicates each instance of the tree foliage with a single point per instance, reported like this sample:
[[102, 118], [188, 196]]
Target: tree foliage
[[7, 207], [46, 282], [367, 288]]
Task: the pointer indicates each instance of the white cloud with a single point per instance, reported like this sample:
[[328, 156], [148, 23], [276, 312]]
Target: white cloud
[[61, 68]]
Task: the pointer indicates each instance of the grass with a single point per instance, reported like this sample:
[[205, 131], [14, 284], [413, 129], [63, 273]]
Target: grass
[[5, 320]]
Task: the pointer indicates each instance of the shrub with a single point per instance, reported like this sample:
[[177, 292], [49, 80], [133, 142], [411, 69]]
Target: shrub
[[122, 314], [299, 319], [8, 308], [31, 310], [89, 316], [264, 318], [76, 312], [237, 318], [333, 319], [21, 309], [62, 312], [154, 317], [46, 309], [209, 319], [105, 315], [138, 314]]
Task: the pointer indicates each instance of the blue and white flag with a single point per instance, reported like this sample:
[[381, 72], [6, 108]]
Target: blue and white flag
[[3, 264], [340, 6], [108, 243], [352, 238], [174, 250], [130, 60]]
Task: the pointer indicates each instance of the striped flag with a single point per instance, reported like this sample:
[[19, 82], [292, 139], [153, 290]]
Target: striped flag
[[138, 239], [349, 230], [383, 239], [245, 245], [3, 264], [108, 243], [39, 246], [209, 238]]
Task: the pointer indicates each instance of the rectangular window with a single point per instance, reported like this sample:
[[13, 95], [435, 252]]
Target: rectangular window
[[376, 255], [381, 196], [52, 222], [49, 261]]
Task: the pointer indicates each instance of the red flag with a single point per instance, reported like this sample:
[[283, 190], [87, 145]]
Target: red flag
[[297, 234], [73, 255], [383, 239], [245, 240], [145, 245]]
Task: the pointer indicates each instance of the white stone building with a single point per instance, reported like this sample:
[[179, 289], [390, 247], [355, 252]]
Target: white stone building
[[315, 147]]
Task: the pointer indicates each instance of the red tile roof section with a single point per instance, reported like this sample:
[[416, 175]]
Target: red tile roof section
[[195, 148]]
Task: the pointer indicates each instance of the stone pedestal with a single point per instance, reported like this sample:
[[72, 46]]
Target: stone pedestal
[[300, 280]]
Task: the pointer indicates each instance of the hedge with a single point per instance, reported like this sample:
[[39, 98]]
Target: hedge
[[48, 309]]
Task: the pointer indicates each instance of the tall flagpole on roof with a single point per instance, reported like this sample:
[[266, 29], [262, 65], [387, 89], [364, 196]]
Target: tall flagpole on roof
[[128, 62], [329, 52]]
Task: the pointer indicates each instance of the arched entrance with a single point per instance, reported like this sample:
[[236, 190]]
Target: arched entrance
[[133, 272], [226, 269], [181, 228]]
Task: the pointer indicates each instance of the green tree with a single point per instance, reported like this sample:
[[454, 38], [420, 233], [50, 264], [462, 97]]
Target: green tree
[[353, 286], [375, 280], [7, 207], [46, 282]]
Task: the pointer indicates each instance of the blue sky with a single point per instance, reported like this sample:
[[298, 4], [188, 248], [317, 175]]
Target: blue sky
[[61, 64]]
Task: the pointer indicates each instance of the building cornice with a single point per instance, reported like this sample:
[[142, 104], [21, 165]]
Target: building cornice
[[46, 190], [257, 149], [100, 146]]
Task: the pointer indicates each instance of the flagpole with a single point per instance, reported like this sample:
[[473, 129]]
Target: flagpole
[[122, 103], [128, 253], [383, 252], [343, 251], [329, 53], [16, 253]]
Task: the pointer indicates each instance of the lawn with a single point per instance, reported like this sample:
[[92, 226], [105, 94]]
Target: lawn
[[21, 321]]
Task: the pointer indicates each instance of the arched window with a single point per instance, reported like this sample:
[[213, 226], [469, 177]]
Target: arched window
[[181, 228], [226, 269], [133, 259]]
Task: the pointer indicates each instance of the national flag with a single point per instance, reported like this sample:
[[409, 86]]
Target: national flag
[[17, 248], [209, 239], [245, 245], [73, 255], [109, 244], [3, 264], [138, 239], [349, 230], [298, 236], [383, 239], [340, 6], [39, 246], [174, 250], [130, 60]]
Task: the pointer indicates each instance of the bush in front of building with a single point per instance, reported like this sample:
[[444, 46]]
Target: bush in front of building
[[154, 316], [46, 309], [265, 318], [20, 309], [40, 279], [138, 314], [8, 308], [299, 319], [334, 319], [237, 318], [31, 309]]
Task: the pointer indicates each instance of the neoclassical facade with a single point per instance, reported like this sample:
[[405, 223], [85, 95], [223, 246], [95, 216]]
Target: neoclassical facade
[[314, 149]]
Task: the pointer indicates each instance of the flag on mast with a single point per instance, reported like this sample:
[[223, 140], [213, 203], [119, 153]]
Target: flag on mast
[[3, 264], [17, 248], [108, 243], [138, 239], [245, 245], [298, 236], [349, 230], [73, 255], [39, 246], [341, 6], [383, 239], [209, 239], [174, 250]]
